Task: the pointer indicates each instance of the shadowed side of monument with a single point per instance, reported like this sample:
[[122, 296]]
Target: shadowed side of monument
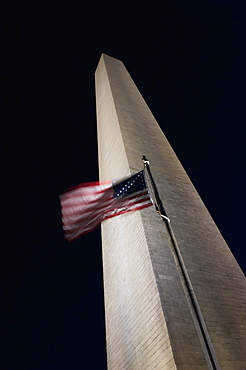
[[150, 322]]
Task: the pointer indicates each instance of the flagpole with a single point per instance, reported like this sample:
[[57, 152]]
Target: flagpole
[[193, 303]]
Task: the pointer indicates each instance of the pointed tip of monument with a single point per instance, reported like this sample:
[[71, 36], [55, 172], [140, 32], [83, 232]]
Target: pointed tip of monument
[[104, 55], [105, 59]]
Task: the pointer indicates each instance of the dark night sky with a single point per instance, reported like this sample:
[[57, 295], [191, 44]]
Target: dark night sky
[[188, 60]]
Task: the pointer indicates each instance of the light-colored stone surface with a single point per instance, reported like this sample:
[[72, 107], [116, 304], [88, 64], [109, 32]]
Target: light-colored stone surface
[[148, 320]]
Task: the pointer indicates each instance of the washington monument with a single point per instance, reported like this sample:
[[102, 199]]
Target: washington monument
[[175, 297]]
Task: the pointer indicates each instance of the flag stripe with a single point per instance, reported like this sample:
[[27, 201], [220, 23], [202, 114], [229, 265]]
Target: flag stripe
[[89, 200], [80, 230], [94, 205], [110, 206], [84, 193]]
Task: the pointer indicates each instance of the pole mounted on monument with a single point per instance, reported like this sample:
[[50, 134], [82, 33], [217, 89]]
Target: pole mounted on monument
[[183, 272], [158, 205]]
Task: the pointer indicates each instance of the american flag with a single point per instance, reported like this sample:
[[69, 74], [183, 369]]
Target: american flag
[[87, 205]]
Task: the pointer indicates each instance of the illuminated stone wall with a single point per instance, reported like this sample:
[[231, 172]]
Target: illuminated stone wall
[[149, 322]]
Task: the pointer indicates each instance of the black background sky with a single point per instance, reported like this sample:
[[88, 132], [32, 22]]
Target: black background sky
[[188, 60]]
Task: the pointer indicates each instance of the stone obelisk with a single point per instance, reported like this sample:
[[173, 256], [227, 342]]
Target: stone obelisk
[[170, 303]]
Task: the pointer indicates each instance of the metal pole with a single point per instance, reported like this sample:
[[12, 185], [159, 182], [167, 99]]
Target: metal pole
[[207, 344]]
